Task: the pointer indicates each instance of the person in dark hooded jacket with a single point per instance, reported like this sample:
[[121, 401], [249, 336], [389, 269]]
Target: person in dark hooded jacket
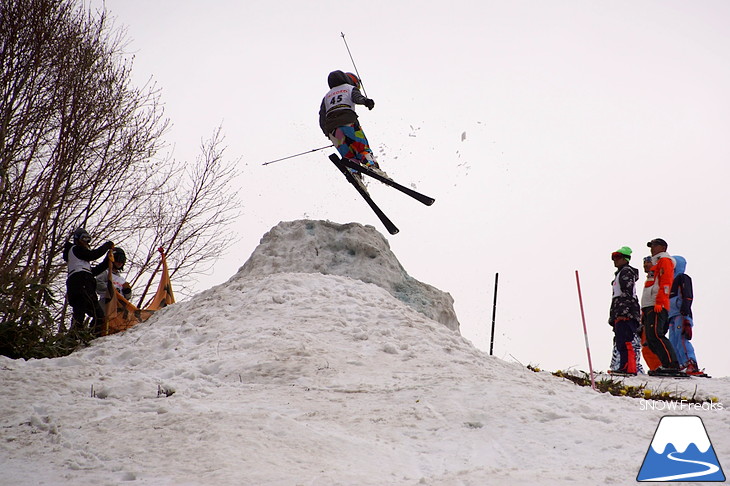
[[680, 318], [81, 284], [339, 122], [625, 311]]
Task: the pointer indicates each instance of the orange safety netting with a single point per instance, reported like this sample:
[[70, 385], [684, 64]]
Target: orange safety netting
[[122, 314]]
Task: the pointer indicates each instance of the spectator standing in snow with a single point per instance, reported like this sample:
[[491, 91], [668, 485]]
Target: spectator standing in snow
[[118, 281], [81, 284], [625, 312], [655, 306], [339, 122], [651, 359], [680, 318]]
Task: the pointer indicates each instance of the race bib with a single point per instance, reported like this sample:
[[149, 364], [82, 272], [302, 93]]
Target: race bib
[[339, 98]]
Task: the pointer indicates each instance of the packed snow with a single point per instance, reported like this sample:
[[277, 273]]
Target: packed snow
[[306, 368]]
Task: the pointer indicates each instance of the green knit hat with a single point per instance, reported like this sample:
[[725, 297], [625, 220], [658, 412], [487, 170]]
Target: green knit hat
[[624, 251]]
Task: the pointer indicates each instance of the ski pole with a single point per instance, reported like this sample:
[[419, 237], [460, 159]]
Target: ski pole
[[353, 65], [585, 331], [297, 155]]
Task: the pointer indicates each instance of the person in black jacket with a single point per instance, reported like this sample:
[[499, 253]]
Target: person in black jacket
[[625, 311], [81, 284], [339, 122]]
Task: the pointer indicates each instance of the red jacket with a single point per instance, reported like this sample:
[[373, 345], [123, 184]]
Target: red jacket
[[663, 279]]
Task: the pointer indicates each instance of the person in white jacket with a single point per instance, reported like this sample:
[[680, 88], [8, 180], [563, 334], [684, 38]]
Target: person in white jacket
[[80, 284], [118, 281]]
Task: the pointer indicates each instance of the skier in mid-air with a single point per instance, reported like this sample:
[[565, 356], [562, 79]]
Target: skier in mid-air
[[338, 119], [339, 123]]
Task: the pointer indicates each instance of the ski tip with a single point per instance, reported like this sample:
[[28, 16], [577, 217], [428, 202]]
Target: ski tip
[[393, 231]]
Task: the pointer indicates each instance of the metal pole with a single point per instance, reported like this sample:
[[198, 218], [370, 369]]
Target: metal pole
[[494, 312], [585, 331], [297, 155], [353, 65]]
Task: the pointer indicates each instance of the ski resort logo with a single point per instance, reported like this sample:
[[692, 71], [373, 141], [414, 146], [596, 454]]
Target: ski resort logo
[[681, 451]]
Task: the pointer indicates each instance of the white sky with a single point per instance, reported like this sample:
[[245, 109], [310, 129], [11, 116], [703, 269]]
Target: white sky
[[589, 126]]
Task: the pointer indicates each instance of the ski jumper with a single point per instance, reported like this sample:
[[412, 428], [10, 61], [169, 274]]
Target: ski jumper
[[680, 316], [655, 308], [624, 316], [339, 122]]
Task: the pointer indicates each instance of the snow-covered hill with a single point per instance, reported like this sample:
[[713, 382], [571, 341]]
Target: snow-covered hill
[[298, 377]]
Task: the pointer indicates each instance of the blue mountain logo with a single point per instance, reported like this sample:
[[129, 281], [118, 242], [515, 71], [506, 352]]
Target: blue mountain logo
[[681, 451]]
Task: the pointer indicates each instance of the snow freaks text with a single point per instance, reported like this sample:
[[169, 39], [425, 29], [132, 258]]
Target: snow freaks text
[[680, 406]]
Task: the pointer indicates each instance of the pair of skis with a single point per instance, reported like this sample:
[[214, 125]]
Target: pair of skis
[[345, 164]]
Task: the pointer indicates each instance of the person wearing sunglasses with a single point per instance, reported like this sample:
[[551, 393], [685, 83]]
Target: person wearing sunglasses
[[625, 312]]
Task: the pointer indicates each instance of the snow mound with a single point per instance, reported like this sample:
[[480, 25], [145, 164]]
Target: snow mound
[[349, 250]]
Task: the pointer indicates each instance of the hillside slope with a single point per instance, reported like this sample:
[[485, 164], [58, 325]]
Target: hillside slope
[[311, 379]]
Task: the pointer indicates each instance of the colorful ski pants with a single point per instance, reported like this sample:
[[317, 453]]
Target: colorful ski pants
[[350, 142], [616, 357], [684, 349]]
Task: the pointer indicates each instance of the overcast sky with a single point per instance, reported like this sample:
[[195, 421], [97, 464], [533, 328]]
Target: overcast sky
[[550, 133]]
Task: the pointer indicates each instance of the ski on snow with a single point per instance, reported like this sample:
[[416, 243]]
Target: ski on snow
[[422, 198], [392, 229], [668, 374]]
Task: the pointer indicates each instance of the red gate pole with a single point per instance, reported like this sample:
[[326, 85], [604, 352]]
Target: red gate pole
[[585, 331]]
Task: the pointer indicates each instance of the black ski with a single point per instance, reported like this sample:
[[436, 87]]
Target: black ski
[[422, 198], [392, 229], [668, 374]]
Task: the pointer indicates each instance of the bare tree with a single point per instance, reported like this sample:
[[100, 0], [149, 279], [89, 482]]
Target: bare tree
[[79, 147], [194, 230]]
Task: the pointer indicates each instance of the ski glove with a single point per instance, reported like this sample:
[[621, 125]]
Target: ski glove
[[369, 103], [687, 330], [658, 308]]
